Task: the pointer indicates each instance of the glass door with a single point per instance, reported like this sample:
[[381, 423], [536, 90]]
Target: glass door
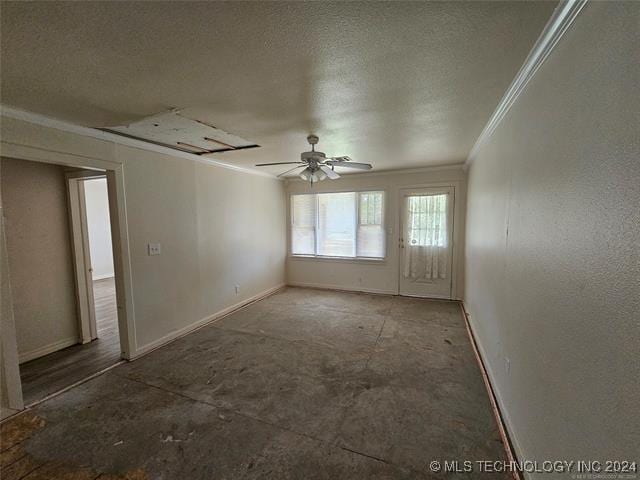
[[426, 249]]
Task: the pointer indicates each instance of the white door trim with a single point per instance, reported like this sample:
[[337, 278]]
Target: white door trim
[[119, 230], [80, 245], [10, 384]]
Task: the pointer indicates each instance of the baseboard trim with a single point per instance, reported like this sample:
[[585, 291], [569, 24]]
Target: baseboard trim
[[172, 336], [46, 350], [509, 440], [324, 286]]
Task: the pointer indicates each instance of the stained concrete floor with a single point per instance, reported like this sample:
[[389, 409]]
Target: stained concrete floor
[[303, 384]]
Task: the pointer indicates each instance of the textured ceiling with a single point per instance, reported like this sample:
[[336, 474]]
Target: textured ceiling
[[395, 84]]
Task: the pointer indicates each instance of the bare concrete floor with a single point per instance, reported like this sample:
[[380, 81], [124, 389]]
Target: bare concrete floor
[[304, 384]]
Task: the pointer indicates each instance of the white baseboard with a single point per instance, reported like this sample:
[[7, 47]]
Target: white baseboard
[[170, 337], [325, 286], [102, 277], [47, 349], [503, 412]]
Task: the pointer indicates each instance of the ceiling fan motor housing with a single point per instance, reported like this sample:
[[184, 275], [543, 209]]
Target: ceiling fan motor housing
[[313, 158]]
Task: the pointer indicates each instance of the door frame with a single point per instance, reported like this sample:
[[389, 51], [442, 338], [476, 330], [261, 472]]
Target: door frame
[[114, 172], [78, 223], [455, 231]]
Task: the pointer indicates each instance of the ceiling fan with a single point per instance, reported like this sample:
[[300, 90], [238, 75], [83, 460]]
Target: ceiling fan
[[317, 166]]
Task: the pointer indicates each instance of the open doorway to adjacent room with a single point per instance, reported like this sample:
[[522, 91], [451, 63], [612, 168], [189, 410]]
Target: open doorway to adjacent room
[[93, 257], [61, 267]]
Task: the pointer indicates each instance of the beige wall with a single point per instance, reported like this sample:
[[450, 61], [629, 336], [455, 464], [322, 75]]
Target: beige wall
[[34, 199], [552, 249], [366, 275], [217, 227]]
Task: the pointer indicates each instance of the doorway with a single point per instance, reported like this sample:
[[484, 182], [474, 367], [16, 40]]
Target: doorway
[[94, 343], [91, 241], [53, 346], [426, 242]]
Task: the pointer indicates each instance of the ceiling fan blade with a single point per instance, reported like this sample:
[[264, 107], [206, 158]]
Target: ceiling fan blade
[[359, 166], [279, 163], [330, 173], [344, 158], [290, 170]]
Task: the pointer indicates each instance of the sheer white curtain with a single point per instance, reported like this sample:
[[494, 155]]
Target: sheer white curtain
[[426, 250]]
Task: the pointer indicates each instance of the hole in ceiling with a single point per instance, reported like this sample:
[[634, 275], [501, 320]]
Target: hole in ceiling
[[173, 130]]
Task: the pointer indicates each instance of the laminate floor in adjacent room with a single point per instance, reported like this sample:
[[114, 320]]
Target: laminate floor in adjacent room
[[49, 374], [304, 384]]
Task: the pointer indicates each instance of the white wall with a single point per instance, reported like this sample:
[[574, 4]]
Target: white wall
[[370, 276], [217, 227], [34, 200], [553, 243], [97, 205]]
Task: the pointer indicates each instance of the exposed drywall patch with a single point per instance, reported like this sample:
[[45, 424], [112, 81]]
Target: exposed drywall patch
[[173, 130]]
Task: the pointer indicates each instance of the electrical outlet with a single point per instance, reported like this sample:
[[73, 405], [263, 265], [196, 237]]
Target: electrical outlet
[[154, 249], [237, 289]]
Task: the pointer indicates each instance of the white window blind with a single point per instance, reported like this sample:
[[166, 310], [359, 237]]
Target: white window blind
[[370, 228], [303, 224], [345, 224], [337, 224]]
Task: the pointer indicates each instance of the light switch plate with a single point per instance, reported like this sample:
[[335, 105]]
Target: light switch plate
[[154, 249]]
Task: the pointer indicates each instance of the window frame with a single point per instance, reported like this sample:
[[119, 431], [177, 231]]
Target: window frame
[[356, 259]]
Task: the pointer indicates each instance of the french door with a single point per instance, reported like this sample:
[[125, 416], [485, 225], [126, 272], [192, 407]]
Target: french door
[[426, 247]]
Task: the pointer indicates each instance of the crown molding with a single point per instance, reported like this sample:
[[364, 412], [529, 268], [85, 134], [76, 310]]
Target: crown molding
[[562, 18], [42, 120], [397, 171]]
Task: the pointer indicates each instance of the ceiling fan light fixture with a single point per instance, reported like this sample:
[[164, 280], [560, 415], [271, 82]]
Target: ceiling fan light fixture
[[312, 176], [305, 174], [320, 175]]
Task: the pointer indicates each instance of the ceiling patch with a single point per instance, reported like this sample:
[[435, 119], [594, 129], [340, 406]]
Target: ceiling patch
[[175, 131]]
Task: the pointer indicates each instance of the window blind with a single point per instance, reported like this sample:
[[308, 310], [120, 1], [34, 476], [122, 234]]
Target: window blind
[[303, 224], [370, 229], [344, 224]]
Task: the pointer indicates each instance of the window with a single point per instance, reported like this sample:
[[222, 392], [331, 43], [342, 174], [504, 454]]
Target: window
[[303, 224], [345, 224], [427, 220], [370, 227]]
